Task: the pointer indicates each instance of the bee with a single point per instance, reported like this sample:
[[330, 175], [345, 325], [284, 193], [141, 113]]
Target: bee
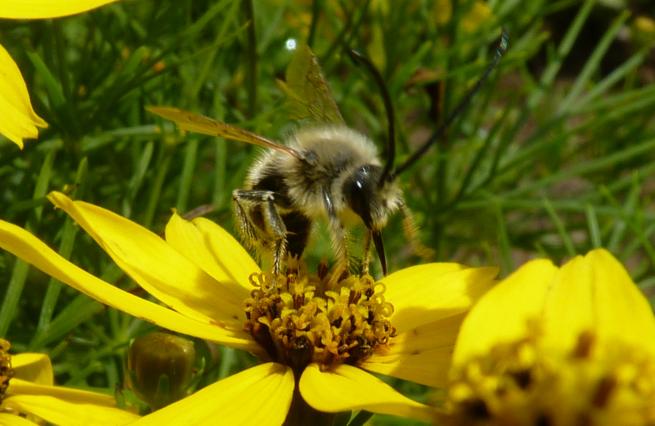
[[324, 171]]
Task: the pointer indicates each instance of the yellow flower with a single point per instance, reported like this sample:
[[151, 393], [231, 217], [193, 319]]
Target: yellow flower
[[315, 334], [479, 14], [557, 346], [19, 121], [28, 396], [643, 31], [472, 17]]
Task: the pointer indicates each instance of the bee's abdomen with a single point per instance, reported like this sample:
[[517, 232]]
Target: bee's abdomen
[[298, 228], [297, 224]]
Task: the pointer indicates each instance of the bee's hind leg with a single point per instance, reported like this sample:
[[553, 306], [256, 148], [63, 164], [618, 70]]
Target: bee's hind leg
[[260, 220]]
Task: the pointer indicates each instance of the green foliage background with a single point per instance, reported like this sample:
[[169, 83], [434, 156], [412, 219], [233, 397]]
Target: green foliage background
[[554, 157]]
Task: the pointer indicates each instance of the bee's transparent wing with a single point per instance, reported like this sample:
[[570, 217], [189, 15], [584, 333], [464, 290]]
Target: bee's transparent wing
[[197, 123], [308, 94]]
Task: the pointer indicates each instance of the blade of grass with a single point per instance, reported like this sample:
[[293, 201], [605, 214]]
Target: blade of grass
[[43, 181], [65, 249], [561, 229], [504, 246], [14, 290], [592, 64], [592, 223], [553, 67], [591, 166], [187, 177], [248, 10], [137, 178], [12, 295], [162, 166], [619, 73]]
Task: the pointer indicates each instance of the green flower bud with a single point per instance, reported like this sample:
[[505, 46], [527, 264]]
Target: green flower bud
[[160, 367]]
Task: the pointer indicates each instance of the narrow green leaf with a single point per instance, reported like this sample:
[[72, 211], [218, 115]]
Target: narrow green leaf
[[592, 64], [504, 249], [188, 173], [592, 223], [13, 293], [561, 229]]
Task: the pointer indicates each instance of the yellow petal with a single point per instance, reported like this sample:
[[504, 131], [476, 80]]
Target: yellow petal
[[61, 405], [155, 265], [350, 388], [19, 121], [61, 412], [595, 293], [422, 355], [215, 251], [502, 313], [15, 420], [36, 9], [29, 248], [22, 387], [260, 395], [33, 367], [426, 293]]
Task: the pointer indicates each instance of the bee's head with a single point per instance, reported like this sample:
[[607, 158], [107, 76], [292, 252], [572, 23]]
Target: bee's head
[[373, 201]]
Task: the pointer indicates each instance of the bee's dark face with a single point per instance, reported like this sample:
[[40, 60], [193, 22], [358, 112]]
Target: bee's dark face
[[372, 202], [362, 193]]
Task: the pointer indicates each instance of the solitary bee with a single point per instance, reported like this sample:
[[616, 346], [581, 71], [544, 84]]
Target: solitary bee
[[324, 171]]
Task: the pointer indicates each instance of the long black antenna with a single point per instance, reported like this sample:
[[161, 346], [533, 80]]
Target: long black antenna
[[388, 106], [463, 104]]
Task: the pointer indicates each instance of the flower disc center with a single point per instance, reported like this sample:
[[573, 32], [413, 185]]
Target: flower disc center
[[6, 372], [301, 319], [526, 383]]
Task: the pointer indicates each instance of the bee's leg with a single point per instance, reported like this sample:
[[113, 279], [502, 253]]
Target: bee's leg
[[338, 234], [268, 220], [366, 258], [246, 229], [411, 234]]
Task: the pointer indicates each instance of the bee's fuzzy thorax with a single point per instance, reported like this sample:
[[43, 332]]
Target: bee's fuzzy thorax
[[334, 177], [331, 154]]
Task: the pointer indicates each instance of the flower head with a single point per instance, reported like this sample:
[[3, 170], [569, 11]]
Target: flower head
[[19, 121], [577, 348], [316, 333], [28, 396], [301, 319]]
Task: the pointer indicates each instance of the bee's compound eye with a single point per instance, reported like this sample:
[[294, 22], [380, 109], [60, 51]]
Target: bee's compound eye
[[360, 191]]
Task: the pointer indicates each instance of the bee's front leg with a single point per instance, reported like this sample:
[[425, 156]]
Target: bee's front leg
[[259, 221], [337, 233], [366, 257]]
